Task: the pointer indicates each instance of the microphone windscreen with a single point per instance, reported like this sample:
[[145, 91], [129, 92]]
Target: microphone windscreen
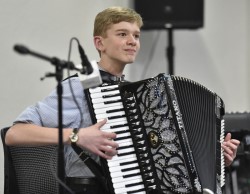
[[21, 49]]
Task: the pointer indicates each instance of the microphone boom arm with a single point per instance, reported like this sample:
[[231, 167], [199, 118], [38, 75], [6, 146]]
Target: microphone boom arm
[[53, 60]]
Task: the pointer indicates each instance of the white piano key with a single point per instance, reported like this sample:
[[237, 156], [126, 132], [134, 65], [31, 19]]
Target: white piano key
[[126, 150], [113, 120], [104, 100], [124, 183], [137, 187], [120, 168], [117, 158], [121, 178], [111, 163], [116, 130], [125, 144], [102, 105], [121, 191], [117, 174], [125, 192], [129, 141], [119, 161], [104, 110], [125, 134]]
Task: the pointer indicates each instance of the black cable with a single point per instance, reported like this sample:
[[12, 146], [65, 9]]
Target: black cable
[[70, 84]]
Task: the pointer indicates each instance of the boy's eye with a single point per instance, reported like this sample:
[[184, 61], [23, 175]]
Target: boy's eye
[[137, 36], [122, 34]]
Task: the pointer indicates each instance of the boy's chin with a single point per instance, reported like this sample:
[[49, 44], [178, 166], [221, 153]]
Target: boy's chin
[[130, 60]]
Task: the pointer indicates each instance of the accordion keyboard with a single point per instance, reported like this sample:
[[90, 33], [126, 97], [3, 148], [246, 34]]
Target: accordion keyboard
[[124, 171]]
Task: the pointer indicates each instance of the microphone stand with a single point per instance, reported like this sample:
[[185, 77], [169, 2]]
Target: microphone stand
[[170, 51], [59, 66], [61, 170]]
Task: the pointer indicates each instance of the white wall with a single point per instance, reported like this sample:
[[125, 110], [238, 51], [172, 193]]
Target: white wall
[[216, 56]]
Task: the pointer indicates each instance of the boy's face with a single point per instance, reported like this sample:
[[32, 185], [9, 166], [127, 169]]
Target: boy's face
[[121, 43]]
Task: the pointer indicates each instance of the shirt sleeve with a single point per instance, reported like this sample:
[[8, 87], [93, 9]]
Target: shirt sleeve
[[45, 112]]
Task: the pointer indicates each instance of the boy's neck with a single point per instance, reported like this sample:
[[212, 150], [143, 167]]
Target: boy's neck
[[114, 69]]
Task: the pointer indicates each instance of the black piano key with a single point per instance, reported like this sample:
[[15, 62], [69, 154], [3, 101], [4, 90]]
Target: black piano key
[[115, 110], [118, 126], [109, 89], [127, 163], [136, 191], [110, 95], [124, 147], [123, 131], [112, 101], [126, 153], [131, 175], [129, 169], [133, 184], [116, 117]]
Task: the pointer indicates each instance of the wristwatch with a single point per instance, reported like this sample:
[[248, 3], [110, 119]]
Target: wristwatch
[[74, 136]]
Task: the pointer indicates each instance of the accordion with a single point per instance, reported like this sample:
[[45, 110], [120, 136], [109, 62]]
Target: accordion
[[169, 130]]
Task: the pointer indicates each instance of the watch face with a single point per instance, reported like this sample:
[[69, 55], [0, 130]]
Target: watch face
[[74, 138]]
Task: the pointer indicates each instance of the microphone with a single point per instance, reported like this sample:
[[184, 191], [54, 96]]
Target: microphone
[[91, 80], [21, 49], [90, 75], [86, 66]]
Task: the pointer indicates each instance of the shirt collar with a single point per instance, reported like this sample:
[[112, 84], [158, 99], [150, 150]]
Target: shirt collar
[[107, 77]]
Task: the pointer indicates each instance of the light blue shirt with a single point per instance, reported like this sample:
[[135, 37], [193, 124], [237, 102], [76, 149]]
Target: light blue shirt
[[45, 113]]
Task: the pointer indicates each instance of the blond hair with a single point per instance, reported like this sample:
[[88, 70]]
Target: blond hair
[[114, 15]]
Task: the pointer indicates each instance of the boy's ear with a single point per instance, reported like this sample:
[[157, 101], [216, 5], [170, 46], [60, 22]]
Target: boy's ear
[[98, 42]]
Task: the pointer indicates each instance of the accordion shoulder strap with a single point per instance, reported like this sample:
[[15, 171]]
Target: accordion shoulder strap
[[92, 165]]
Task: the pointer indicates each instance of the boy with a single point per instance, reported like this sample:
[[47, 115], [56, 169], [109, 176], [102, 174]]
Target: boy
[[116, 37]]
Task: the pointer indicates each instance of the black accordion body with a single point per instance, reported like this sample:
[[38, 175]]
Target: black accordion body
[[169, 130]]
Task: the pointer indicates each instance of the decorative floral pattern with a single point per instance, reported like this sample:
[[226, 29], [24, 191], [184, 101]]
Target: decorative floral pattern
[[157, 116]]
